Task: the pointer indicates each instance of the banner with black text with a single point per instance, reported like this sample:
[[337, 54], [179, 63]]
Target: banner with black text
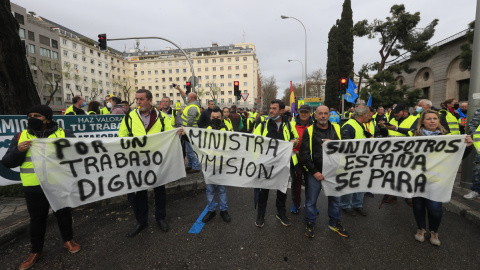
[[423, 166], [77, 171], [241, 159]]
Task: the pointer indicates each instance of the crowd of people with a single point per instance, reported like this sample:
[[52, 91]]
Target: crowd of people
[[307, 130]]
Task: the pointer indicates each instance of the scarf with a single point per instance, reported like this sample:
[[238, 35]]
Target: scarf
[[430, 133], [461, 113]]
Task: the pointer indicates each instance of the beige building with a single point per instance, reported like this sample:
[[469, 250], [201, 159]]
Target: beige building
[[216, 68]]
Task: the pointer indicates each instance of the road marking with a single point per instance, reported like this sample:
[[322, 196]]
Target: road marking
[[198, 225]]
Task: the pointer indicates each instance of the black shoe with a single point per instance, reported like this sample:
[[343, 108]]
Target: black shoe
[[193, 171], [389, 199], [163, 225], [225, 216], [339, 229], [309, 230], [209, 215], [187, 169], [350, 211], [138, 228], [369, 194], [283, 219], [361, 211], [260, 220]]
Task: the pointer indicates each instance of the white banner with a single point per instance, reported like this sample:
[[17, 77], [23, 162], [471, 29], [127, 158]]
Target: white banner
[[77, 171], [409, 167], [242, 159]]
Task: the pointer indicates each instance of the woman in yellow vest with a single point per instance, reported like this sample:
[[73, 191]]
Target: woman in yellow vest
[[40, 125], [228, 122], [429, 125], [94, 107]]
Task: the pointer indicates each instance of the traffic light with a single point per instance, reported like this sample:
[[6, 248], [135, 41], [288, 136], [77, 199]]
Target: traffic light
[[343, 85], [189, 87], [236, 89], [102, 42]]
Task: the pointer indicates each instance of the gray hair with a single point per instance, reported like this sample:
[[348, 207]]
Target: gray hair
[[427, 102], [360, 111]]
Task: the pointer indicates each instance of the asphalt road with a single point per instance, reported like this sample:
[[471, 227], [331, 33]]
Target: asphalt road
[[382, 240]]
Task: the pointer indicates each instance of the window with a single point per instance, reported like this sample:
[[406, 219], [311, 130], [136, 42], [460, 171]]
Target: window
[[245, 75], [31, 48], [222, 76], [206, 69], [45, 52], [44, 40], [229, 67], [229, 92], [222, 100], [207, 77], [65, 53], [31, 36], [91, 52], [86, 90], [245, 58], [229, 101], [69, 97], [221, 68], [199, 69], [177, 70], [245, 91], [244, 66], [142, 72], [85, 69], [92, 71], [184, 70], [221, 60], [21, 33], [156, 72], [229, 59], [237, 67], [229, 84], [222, 93], [66, 64], [75, 56], [206, 61], [199, 61], [214, 77], [74, 45], [237, 76], [170, 71], [229, 76], [245, 84], [237, 59], [64, 41], [214, 69], [214, 60], [54, 44], [20, 19], [83, 49], [84, 59], [92, 61], [222, 84], [163, 71]]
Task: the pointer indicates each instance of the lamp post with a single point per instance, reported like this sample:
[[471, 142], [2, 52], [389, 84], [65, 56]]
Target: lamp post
[[287, 17], [302, 68]]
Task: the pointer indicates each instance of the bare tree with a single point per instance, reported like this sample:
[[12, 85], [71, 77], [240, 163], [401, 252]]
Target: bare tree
[[123, 86], [52, 73], [214, 89], [270, 89], [17, 89], [70, 74], [314, 82]]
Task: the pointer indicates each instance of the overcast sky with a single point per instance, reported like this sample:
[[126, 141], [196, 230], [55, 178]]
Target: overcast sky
[[198, 23]]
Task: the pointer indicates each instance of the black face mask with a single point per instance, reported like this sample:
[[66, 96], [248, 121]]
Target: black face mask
[[288, 114], [216, 123], [456, 106], [34, 123], [464, 111]]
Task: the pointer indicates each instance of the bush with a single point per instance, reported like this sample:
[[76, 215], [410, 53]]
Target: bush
[[11, 191]]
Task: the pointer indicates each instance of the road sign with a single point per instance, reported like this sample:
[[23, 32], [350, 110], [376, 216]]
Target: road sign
[[192, 81], [244, 96], [319, 99], [314, 104]]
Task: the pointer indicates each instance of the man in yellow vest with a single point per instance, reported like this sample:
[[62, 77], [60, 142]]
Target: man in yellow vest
[[311, 154], [217, 122], [40, 125], [139, 122], [401, 123], [277, 127], [474, 128], [76, 107], [107, 105], [355, 129]]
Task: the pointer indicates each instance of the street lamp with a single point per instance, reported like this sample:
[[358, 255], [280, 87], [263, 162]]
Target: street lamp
[[287, 17], [301, 64]]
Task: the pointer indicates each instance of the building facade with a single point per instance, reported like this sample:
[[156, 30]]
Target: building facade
[[441, 77]]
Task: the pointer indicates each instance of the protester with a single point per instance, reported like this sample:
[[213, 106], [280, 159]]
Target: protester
[[349, 113], [354, 129], [380, 115], [150, 121], [107, 106], [228, 122], [76, 107], [462, 117], [40, 125], [429, 125], [448, 113], [301, 122], [94, 107], [277, 127], [474, 128], [334, 117], [235, 118], [262, 116], [204, 120], [311, 154], [126, 106], [217, 123], [118, 107]]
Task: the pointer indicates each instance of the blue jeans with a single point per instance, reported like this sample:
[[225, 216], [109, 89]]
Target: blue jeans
[[476, 174], [434, 210], [222, 196], [192, 161], [354, 200], [314, 188]]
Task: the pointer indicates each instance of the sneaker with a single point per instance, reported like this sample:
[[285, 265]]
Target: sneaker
[[349, 211], [339, 229], [260, 220], [283, 219], [361, 211], [434, 239], [208, 216], [309, 230], [225, 216], [420, 235], [472, 195]]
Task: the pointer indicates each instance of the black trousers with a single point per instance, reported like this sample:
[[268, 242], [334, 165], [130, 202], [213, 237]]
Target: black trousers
[[38, 206], [139, 202], [280, 202]]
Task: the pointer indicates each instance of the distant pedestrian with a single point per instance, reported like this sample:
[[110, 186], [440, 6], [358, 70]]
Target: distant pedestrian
[[76, 107], [94, 107], [118, 107]]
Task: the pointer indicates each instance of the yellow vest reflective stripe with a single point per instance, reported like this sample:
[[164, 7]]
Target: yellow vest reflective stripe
[[252, 115], [406, 123], [286, 132], [228, 124], [370, 126], [27, 173], [138, 129], [476, 139], [310, 136], [69, 110], [452, 122], [359, 130], [92, 112], [104, 110], [185, 115]]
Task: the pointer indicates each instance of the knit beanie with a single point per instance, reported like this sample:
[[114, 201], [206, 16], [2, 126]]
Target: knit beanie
[[43, 110]]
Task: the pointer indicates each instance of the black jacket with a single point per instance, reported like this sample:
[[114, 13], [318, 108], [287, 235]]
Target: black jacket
[[204, 120], [319, 134], [14, 158]]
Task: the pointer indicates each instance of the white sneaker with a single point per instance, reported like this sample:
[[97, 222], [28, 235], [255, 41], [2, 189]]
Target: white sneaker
[[434, 239], [472, 195], [420, 236]]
